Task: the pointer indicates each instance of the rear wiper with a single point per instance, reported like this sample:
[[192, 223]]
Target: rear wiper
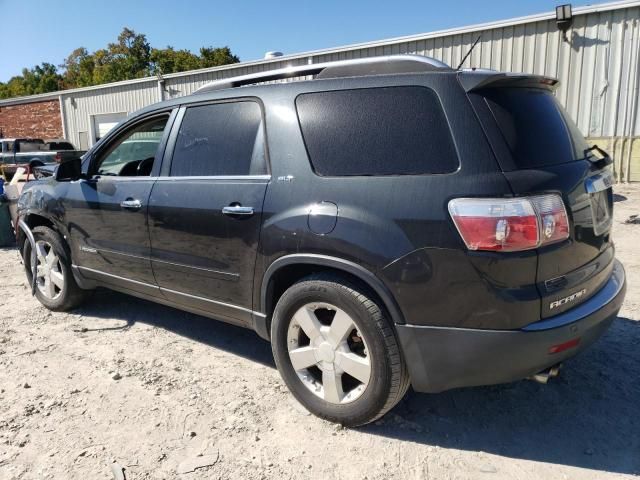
[[598, 162]]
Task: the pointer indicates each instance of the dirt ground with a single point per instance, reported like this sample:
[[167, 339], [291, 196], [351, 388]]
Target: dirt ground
[[166, 394]]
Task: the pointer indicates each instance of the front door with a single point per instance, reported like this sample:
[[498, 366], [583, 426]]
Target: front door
[[205, 210], [106, 214]]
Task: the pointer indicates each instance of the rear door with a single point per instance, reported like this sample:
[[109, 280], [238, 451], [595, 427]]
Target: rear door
[[541, 150], [205, 210]]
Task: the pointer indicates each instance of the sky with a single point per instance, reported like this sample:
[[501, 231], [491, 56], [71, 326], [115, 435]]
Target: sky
[[36, 31]]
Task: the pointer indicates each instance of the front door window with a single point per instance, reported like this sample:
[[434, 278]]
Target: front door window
[[134, 153]]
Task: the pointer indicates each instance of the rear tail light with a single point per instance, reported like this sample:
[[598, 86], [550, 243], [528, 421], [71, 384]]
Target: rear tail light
[[510, 224], [554, 224], [58, 158]]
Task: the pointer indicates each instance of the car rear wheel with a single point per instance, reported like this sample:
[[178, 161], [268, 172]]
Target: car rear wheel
[[336, 351], [56, 288]]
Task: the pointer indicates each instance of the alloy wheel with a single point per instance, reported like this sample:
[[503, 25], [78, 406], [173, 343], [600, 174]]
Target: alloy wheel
[[328, 353], [49, 274]]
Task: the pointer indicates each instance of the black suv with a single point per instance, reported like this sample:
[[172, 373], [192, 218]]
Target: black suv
[[383, 222]]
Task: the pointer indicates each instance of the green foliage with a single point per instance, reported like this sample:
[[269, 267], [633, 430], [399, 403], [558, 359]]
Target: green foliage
[[169, 60], [130, 57], [214, 57], [39, 79], [78, 69]]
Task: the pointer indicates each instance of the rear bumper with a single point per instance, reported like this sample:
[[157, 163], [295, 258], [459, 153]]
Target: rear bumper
[[441, 358]]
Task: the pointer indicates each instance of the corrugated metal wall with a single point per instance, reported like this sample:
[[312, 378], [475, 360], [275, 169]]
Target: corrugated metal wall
[[598, 67], [80, 107]]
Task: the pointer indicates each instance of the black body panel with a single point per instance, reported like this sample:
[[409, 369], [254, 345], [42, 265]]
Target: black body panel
[[583, 260], [104, 236], [199, 251], [382, 219], [441, 358], [451, 307]]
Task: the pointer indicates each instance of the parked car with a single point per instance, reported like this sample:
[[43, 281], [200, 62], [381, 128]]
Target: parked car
[[34, 152], [390, 222]]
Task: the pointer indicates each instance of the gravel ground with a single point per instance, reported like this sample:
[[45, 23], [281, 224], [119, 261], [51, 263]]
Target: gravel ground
[[165, 394]]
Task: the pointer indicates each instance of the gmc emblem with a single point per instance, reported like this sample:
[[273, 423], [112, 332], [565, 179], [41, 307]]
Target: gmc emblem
[[565, 300]]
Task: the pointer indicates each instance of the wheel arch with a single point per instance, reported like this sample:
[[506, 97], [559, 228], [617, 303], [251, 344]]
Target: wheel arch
[[33, 220], [287, 270], [35, 162]]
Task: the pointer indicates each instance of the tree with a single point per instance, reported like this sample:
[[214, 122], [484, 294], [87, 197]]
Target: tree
[[127, 59], [78, 69], [13, 88], [215, 57], [39, 79], [168, 60], [130, 57]]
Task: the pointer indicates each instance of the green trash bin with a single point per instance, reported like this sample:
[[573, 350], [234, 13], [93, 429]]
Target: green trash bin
[[7, 237]]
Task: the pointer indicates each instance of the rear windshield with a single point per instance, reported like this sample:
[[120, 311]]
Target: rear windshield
[[376, 131], [538, 131]]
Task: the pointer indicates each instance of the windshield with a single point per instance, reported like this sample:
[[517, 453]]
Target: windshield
[[537, 129]]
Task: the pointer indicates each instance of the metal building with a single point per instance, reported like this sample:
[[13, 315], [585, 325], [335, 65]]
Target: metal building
[[597, 63]]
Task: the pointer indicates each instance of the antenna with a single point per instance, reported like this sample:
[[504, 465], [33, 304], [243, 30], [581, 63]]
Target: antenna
[[469, 52]]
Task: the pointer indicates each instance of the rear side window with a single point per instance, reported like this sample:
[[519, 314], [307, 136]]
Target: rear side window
[[536, 128], [376, 131], [220, 139]]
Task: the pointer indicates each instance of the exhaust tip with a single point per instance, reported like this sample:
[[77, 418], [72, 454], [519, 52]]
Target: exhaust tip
[[544, 376]]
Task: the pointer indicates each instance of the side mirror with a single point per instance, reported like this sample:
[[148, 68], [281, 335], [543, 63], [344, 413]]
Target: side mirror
[[69, 169]]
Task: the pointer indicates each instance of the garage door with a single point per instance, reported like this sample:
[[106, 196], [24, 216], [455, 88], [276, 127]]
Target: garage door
[[104, 122]]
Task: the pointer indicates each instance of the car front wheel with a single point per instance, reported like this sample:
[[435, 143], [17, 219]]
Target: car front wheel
[[56, 288]]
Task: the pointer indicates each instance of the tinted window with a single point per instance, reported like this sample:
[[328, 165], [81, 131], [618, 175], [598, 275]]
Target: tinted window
[[376, 131], [220, 139], [536, 128]]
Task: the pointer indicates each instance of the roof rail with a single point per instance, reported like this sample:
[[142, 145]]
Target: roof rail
[[342, 68]]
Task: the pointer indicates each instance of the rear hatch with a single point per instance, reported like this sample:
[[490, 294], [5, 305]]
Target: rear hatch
[[540, 150]]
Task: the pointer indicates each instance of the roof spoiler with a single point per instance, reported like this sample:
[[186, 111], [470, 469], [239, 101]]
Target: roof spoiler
[[478, 79]]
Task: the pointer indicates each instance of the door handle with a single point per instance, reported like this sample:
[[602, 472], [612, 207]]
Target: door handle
[[131, 204], [234, 210]]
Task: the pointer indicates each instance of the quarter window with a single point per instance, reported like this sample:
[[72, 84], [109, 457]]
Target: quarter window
[[376, 131], [220, 139]]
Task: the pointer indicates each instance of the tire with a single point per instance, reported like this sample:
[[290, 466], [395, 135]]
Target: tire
[[66, 292], [34, 164], [308, 325]]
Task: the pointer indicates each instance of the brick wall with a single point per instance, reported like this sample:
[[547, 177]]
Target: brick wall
[[35, 120]]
